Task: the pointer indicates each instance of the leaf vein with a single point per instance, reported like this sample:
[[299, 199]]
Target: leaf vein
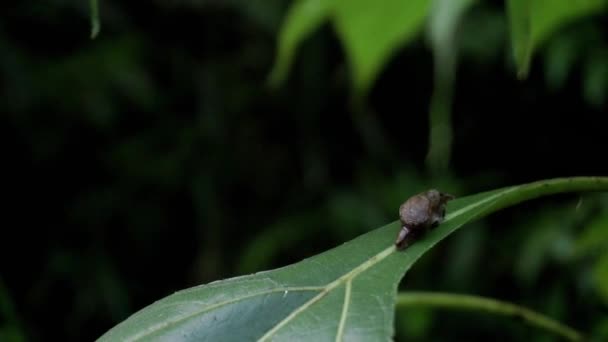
[[180, 319], [368, 264], [340, 334]]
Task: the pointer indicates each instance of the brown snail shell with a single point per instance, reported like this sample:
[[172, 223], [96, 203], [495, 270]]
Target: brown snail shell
[[420, 213]]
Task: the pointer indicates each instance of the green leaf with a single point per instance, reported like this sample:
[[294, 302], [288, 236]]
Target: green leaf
[[347, 293], [303, 17], [372, 31], [533, 21]]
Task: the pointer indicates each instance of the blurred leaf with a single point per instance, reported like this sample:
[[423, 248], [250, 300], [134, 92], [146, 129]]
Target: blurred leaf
[[10, 325], [519, 12], [536, 247], [114, 73], [600, 331], [406, 181], [266, 14], [11, 334], [549, 239], [341, 207], [95, 23], [414, 324], [372, 31], [281, 236], [464, 254], [533, 21], [445, 19], [346, 293], [596, 78], [483, 46], [303, 17], [594, 236], [559, 60], [600, 273]]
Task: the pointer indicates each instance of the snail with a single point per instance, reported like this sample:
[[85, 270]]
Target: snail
[[420, 213]]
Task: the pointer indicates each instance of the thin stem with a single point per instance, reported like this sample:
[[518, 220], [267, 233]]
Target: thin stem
[[440, 114], [95, 23], [468, 302]]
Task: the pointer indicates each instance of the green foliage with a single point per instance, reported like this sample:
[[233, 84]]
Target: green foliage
[[10, 325], [579, 49], [594, 237], [159, 137], [347, 292], [468, 302], [600, 276], [600, 332], [572, 234], [534, 21], [368, 38], [596, 78], [592, 243], [303, 17]]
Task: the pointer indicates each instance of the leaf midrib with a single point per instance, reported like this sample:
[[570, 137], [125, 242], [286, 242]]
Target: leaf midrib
[[159, 327], [329, 287], [349, 276], [324, 290]]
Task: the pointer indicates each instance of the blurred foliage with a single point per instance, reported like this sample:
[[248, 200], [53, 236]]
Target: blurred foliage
[[533, 22], [368, 38], [153, 158], [369, 41], [95, 23], [443, 26], [10, 326]]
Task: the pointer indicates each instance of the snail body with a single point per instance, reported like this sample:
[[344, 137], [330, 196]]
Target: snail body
[[420, 213]]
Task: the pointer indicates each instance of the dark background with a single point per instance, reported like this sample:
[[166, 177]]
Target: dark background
[[155, 158]]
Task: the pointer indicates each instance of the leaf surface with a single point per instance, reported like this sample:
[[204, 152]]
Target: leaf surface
[[347, 293]]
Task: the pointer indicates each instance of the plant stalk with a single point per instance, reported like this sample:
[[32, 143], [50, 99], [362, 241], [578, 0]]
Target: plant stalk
[[476, 303]]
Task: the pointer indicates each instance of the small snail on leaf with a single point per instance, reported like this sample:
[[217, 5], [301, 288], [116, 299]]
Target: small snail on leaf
[[420, 213]]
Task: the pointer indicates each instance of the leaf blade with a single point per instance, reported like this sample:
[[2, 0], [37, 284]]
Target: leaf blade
[[306, 299]]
